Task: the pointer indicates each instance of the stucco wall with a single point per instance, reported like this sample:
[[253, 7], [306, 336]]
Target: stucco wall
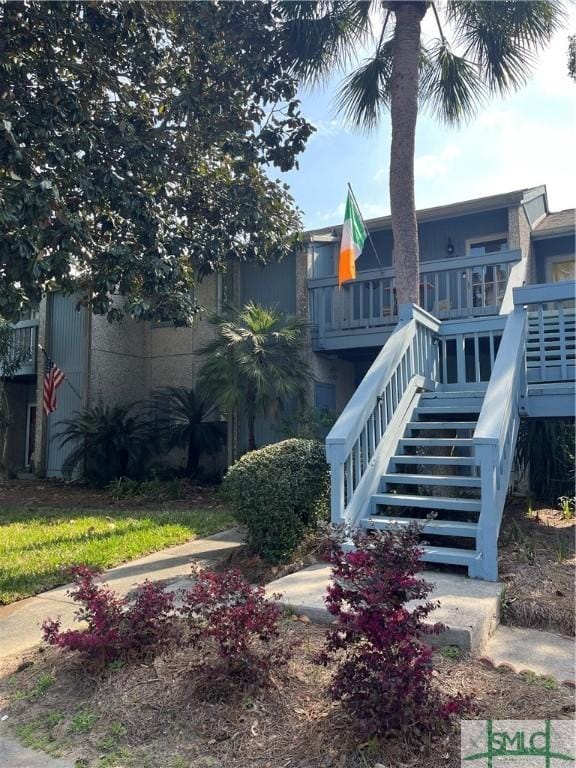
[[173, 354], [117, 368]]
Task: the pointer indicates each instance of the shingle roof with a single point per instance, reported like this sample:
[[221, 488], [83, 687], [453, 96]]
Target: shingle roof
[[561, 221]]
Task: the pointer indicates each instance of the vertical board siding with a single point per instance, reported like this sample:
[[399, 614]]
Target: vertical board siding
[[67, 348], [271, 285]]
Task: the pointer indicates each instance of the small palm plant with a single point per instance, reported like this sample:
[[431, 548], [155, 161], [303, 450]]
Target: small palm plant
[[256, 363], [185, 419], [107, 442]]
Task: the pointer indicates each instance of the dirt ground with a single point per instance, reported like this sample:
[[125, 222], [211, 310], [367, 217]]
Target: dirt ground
[[160, 715], [537, 566], [56, 494]]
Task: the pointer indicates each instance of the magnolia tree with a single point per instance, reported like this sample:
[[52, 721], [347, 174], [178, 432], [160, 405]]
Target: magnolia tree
[[134, 143]]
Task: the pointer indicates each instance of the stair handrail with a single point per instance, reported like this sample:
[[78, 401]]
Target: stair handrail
[[495, 435], [361, 427]]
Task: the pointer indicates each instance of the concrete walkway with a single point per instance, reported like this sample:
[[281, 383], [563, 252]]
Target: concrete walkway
[[14, 755], [469, 610], [20, 622]]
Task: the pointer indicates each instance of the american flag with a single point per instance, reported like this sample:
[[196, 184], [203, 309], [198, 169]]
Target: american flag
[[53, 377]]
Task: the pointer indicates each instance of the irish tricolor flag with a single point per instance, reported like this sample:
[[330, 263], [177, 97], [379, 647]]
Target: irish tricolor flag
[[353, 236]]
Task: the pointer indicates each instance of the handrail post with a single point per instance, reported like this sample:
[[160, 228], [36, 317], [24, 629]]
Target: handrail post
[[337, 498], [487, 458]]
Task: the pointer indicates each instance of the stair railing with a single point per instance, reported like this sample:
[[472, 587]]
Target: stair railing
[[361, 442], [495, 437]]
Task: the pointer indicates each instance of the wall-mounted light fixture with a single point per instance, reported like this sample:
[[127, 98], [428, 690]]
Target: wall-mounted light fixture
[[450, 247]]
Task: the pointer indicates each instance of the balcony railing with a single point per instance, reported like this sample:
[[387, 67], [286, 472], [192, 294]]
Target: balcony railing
[[450, 288], [25, 338]]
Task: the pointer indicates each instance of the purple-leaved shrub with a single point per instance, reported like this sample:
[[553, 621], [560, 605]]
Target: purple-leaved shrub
[[225, 612], [117, 628], [384, 674]]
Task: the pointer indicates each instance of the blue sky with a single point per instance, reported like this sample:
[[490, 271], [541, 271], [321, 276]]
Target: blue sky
[[523, 140]]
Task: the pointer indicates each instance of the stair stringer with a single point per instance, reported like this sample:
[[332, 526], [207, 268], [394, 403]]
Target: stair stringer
[[370, 483]]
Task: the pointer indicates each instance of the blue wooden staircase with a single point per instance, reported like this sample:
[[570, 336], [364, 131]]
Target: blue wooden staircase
[[432, 479], [430, 433]]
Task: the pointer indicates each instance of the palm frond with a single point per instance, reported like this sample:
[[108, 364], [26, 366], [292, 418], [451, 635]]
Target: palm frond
[[450, 85], [365, 93], [502, 38], [320, 37]]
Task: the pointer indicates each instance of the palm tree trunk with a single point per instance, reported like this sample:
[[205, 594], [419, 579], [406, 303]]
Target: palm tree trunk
[[251, 433], [404, 111]]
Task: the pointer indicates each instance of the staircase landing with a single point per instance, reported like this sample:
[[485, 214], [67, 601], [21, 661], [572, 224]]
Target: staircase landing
[[469, 609]]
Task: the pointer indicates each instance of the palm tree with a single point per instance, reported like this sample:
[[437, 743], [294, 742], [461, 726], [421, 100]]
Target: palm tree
[[107, 442], [256, 362], [182, 420], [492, 50]]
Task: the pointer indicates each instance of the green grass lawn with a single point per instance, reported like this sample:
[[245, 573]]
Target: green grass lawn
[[36, 547]]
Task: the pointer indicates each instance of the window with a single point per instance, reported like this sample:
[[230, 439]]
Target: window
[[480, 246], [560, 268]]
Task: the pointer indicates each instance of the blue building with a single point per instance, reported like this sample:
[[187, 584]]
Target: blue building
[[430, 397]]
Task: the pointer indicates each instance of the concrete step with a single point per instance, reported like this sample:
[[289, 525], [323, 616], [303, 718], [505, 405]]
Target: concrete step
[[459, 481], [433, 527], [425, 502], [469, 609], [459, 461]]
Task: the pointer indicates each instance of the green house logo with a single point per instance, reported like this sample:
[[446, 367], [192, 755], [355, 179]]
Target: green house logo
[[518, 743]]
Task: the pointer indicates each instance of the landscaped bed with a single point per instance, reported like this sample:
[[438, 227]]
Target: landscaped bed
[[37, 544], [537, 561], [161, 715]]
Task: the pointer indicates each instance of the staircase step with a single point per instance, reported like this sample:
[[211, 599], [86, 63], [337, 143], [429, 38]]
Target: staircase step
[[447, 394], [459, 481], [429, 442], [425, 502], [436, 527], [441, 425], [461, 461], [449, 555], [454, 408]]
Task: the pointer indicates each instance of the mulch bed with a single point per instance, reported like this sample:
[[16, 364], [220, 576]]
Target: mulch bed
[[537, 566], [56, 494], [162, 715]]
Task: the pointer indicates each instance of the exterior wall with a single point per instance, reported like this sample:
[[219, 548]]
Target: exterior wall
[[519, 236], [67, 346], [117, 370], [433, 237], [548, 248], [270, 285], [172, 354]]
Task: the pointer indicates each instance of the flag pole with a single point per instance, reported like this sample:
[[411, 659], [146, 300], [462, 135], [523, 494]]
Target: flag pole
[[365, 227], [66, 379]]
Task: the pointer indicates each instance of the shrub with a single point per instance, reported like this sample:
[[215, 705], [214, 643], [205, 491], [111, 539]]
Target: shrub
[[240, 621], [116, 629], [277, 492], [384, 670]]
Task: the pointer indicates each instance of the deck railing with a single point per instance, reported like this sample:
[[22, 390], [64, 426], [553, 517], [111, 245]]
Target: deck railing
[[362, 440], [25, 339], [451, 288], [537, 345]]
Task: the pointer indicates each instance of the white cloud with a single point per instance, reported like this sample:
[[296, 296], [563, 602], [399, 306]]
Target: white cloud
[[438, 164]]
